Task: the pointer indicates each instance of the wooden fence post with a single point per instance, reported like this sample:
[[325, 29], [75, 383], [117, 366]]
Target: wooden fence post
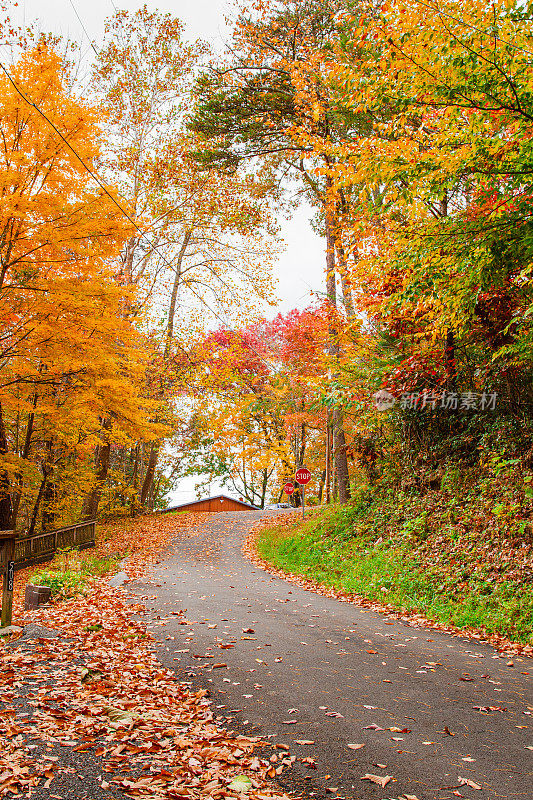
[[7, 566]]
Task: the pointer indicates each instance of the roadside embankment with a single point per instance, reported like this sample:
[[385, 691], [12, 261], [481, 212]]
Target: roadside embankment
[[416, 561]]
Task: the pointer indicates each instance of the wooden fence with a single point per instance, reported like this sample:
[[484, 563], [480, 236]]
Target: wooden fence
[[42, 546]]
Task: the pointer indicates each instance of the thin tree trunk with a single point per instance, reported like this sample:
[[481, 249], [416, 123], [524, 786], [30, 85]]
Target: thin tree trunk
[[301, 454], [35, 512], [174, 295], [341, 459], [25, 453], [147, 486], [449, 352], [449, 360], [346, 290], [264, 488], [135, 479], [321, 486], [328, 460], [49, 492], [5, 497], [150, 472], [103, 456], [339, 438]]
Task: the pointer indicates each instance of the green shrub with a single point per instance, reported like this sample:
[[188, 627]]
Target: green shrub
[[64, 583], [69, 572]]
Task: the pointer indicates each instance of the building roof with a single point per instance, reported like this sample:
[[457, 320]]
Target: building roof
[[206, 499]]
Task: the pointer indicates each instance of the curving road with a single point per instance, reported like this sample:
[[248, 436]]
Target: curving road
[[299, 666]]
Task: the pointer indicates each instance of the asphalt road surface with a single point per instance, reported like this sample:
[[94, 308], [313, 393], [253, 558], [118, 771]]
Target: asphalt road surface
[[304, 667]]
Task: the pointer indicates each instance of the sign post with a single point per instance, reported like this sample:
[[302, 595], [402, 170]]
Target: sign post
[[303, 476], [7, 569]]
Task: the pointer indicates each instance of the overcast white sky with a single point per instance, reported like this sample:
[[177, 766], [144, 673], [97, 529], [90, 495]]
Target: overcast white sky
[[300, 269]]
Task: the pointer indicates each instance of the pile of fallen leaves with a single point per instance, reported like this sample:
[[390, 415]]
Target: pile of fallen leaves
[[288, 523], [143, 539], [98, 689]]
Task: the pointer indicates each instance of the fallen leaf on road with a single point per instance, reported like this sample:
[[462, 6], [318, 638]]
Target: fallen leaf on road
[[305, 741], [373, 727], [355, 746], [468, 782], [381, 780], [242, 783]]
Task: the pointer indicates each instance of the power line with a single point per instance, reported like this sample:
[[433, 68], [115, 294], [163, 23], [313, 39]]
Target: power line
[[104, 188], [93, 175], [83, 27]]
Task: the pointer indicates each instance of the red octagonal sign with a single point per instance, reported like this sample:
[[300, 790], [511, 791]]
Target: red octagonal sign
[[288, 488], [303, 476]]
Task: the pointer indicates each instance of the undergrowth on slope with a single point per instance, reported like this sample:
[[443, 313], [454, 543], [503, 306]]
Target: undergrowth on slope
[[416, 553]]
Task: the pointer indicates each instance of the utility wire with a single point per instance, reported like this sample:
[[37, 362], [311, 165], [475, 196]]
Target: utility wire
[[104, 188], [83, 27]]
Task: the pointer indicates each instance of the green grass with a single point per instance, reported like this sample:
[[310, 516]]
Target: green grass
[[412, 568], [69, 572]]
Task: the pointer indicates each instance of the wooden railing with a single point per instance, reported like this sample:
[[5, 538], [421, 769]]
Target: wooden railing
[[42, 546]]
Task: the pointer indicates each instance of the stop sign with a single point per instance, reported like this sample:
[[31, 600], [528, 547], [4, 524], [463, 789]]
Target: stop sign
[[303, 476], [288, 488]]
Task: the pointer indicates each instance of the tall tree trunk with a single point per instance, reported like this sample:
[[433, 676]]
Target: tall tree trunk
[[449, 360], [174, 295], [25, 453], [103, 456], [147, 486], [328, 460], [49, 491], [449, 352], [339, 438], [37, 504], [135, 478], [150, 472], [264, 488], [5, 496], [321, 486], [346, 289]]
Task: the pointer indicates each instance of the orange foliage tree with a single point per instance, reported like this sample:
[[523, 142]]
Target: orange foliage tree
[[69, 358]]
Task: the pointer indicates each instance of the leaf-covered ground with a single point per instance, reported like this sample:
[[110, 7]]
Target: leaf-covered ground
[[460, 579], [90, 712]]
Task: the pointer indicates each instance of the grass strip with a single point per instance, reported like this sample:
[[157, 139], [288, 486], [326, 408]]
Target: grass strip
[[445, 580]]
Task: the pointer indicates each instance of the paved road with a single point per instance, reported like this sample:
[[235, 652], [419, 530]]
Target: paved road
[[309, 658]]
